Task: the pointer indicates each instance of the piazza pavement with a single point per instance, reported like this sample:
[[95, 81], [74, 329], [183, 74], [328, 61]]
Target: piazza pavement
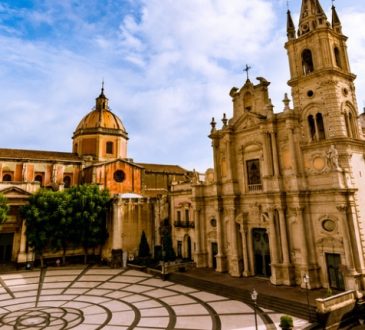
[[96, 297]]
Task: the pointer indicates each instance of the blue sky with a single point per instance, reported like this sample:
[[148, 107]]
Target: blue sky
[[168, 66]]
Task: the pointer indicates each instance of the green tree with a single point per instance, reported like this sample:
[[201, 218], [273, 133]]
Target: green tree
[[39, 220], [61, 222], [144, 248], [168, 253], [88, 206], [4, 208]]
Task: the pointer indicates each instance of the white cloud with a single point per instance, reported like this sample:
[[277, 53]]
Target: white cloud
[[168, 67]]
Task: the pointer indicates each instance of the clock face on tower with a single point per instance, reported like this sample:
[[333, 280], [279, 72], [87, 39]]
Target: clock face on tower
[[119, 176]]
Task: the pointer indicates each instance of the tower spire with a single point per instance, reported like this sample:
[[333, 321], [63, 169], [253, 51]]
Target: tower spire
[[102, 100], [336, 23], [290, 27], [312, 16]]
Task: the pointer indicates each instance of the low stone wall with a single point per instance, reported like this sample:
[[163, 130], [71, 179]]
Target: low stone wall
[[170, 267], [335, 311]]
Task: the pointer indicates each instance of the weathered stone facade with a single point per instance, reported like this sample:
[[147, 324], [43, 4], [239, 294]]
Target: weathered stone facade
[[286, 196]]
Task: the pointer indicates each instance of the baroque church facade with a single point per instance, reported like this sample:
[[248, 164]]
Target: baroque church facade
[[99, 157], [285, 198]]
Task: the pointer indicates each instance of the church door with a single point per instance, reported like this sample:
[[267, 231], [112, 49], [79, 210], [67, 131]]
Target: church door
[[214, 254], [189, 248], [335, 277], [6, 247], [261, 249]]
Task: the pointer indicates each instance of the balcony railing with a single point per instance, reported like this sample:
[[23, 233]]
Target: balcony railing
[[184, 224], [255, 187]]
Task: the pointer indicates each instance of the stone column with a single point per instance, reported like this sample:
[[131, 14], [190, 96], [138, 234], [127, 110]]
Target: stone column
[[234, 268], [275, 154], [346, 238], [267, 157], [118, 212], [355, 235], [288, 274], [284, 237], [273, 243], [221, 257], [302, 238], [199, 255], [292, 148], [246, 265]]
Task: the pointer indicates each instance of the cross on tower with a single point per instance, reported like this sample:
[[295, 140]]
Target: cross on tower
[[333, 3], [247, 68]]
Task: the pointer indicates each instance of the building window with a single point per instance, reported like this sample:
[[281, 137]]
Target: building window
[[316, 127], [109, 147], [67, 181], [39, 178], [7, 177], [320, 126], [179, 249], [178, 215], [337, 57], [119, 176], [312, 127], [253, 175], [187, 215], [307, 62], [350, 125]]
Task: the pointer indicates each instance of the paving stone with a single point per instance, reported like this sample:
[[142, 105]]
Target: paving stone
[[101, 298]]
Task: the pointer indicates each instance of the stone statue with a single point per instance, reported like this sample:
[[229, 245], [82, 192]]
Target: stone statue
[[332, 158]]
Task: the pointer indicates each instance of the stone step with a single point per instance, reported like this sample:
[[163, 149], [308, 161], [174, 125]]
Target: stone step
[[264, 301]]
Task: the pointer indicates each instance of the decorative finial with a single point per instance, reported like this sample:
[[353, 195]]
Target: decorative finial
[[333, 3], [247, 68], [286, 102], [287, 4], [224, 120], [102, 86], [213, 123]]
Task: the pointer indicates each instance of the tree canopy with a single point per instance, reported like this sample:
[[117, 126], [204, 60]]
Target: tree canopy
[[4, 208], [76, 216]]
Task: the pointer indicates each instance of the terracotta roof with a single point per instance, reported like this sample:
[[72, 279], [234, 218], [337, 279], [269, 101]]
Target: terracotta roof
[[162, 168], [38, 155]]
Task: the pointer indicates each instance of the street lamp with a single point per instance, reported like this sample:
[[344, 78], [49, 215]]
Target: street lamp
[[306, 281], [254, 295]]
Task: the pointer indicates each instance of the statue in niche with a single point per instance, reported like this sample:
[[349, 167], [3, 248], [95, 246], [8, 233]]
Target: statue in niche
[[332, 158]]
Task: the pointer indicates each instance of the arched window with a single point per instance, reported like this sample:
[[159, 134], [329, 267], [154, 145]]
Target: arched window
[[67, 181], [7, 177], [337, 57], [320, 126], [307, 62], [39, 178], [75, 148], [312, 127], [109, 147], [350, 125]]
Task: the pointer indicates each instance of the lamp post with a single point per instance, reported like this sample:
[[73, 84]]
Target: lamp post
[[306, 281], [254, 295]]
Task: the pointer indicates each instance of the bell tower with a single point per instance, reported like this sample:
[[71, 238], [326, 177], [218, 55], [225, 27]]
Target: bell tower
[[320, 78]]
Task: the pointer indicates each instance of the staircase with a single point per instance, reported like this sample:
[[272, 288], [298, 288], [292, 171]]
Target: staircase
[[277, 304]]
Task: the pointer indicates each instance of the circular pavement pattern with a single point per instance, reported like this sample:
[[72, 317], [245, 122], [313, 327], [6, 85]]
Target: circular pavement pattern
[[104, 298]]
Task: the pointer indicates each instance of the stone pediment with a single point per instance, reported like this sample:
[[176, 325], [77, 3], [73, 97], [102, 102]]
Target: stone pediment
[[14, 192], [248, 120]]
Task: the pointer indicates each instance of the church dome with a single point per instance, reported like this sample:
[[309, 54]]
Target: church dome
[[101, 120]]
